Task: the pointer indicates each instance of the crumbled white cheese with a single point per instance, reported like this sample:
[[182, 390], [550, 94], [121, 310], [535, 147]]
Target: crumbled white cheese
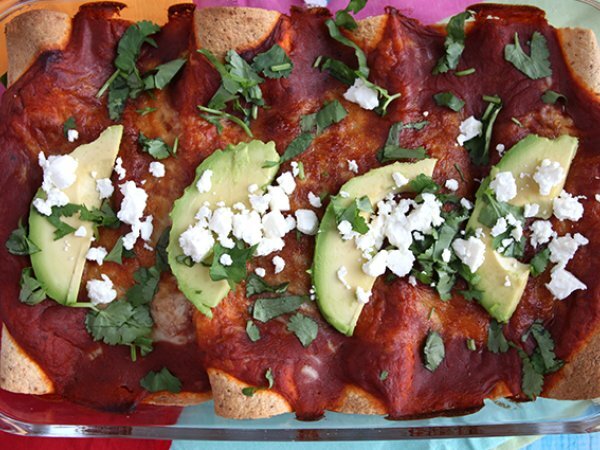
[[291, 223], [563, 283], [133, 204], [72, 135], [146, 228], [541, 232], [269, 245], [400, 261], [252, 188], [260, 271], [567, 207], [248, 227], [314, 200], [274, 225], [119, 169], [412, 280], [260, 203], [376, 266], [465, 203], [278, 263], [446, 255], [362, 95], [345, 229], [279, 200], [469, 128], [60, 172], [507, 282], [451, 184], [531, 210], [101, 291], [500, 148], [471, 252], [504, 186], [286, 182], [157, 169], [426, 215], [344, 194], [341, 274], [547, 175], [80, 232], [221, 222], [226, 260], [517, 231], [295, 168], [196, 242], [352, 166], [105, 188], [399, 179], [363, 296], [597, 197], [316, 3], [307, 221], [500, 227], [563, 248], [204, 183], [96, 254]]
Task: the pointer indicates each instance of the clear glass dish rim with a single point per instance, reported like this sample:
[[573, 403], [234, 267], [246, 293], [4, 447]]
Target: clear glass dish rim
[[8, 424]]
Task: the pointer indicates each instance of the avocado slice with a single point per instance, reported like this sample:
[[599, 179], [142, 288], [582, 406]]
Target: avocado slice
[[338, 304], [499, 297], [233, 171], [59, 265]]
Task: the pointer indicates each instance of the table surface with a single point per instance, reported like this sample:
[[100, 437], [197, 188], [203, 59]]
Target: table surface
[[567, 441]]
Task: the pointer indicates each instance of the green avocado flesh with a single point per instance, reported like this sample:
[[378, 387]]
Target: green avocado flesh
[[500, 298], [338, 304], [234, 169], [59, 265]]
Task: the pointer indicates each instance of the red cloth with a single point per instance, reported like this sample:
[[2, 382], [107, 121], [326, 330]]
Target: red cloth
[[13, 442]]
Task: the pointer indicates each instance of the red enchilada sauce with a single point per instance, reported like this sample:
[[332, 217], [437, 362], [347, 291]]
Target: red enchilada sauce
[[393, 326]]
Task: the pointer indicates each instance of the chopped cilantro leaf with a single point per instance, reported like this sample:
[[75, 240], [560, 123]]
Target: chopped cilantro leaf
[[274, 63], [32, 292], [145, 287], [383, 375], [249, 391], [331, 112], [423, 183], [256, 285], [433, 351], [471, 344], [117, 253], [497, 343], [536, 65], [449, 100], [104, 216], [454, 43], [62, 229], [296, 147], [4, 79], [304, 328], [392, 153], [236, 272], [145, 111], [163, 74], [19, 244], [479, 146], [466, 72], [252, 331], [157, 148], [532, 381], [266, 309], [550, 97], [121, 323], [539, 262], [163, 380], [494, 210], [214, 117], [270, 378], [548, 362], [69, 125], [352, 212], [343, 19]]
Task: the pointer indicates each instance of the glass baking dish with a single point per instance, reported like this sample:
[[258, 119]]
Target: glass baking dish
[[49, 416]]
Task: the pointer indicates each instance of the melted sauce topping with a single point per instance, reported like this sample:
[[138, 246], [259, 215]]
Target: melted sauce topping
[[393, 326]]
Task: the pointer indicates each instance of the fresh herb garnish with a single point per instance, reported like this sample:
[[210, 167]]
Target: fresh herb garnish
[[121, 323], [69, 125], [479, 146], [145, 111], [496, 343], [19, 244], [104, 216], [466, 72], [543, 358], [454, 43], [99, 217], [460, 172], [145, 287], [494, 210], [532, 381], [62, 229], [252, 331], [4, 79], [424, 183], [163, 380], [352, 212], [236, 272], [256, 285], [449, 100], [539, 262], [471, 344], [118, 252], [162, 75], [434, 351], [392, 151], [517, 122], [536, 65], [274, 63], [550, 97], [157, 148], [251, 390], [32, 292], [240, 85], [383, 375], [266, 309], [304, 328], [344, 19], [270, 378]]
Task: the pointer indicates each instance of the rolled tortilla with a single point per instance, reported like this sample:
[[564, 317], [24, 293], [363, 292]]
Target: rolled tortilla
[[221, 29]]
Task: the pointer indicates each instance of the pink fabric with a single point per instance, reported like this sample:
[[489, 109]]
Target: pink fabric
[[426, 12]]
